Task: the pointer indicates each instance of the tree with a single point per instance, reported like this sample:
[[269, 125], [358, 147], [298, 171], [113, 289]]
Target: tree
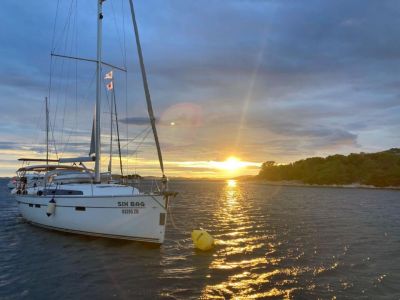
[[378, 169]]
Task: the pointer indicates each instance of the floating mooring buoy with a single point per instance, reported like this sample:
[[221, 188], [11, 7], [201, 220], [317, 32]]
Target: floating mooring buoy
[[202, 240]]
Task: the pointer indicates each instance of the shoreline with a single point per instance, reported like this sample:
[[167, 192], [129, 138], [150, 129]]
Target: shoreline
[[301, 184], [288, 183]]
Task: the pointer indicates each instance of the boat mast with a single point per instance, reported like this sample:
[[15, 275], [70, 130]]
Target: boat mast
[[47, 131], [146, 89], [117, 129], [111, 129], [97, 178]]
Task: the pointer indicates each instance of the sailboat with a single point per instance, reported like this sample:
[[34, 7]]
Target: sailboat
[[73, 198]]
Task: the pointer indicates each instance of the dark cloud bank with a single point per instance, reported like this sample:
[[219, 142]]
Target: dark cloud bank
[[285, 78]]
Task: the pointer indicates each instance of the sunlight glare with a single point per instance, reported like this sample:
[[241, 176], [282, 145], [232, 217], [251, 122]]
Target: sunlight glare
[[228, 168], [231, 164], [231, 183]]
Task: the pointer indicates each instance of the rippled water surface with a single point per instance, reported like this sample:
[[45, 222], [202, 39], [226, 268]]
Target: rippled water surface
[[272, 242]]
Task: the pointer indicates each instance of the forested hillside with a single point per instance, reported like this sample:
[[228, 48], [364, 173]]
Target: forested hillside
[[379, 169]]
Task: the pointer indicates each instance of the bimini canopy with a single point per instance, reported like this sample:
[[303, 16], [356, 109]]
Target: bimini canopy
[[42, 168]]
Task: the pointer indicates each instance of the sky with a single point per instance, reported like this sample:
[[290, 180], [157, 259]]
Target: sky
[[256, 80]]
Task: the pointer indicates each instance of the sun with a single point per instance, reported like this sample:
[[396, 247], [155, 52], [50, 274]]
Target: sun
[[230, 167], [231, 164]]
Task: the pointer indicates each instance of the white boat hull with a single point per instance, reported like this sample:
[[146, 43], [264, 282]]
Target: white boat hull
[[136, 217]]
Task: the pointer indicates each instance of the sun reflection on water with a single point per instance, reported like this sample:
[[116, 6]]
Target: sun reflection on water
[[242, 264], [231, 183]]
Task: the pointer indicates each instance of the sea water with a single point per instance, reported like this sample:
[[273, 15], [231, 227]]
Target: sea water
[[271, 243]]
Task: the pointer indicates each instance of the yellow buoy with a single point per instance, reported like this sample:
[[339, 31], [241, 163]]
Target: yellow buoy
[[202, 240]]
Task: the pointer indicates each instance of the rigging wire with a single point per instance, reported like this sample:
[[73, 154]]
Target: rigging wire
[[118, 32], [55, 25], [135, 137], [51, 60], [124, 32], [65, 37], [141, 142], [70, 86], [53, 140], [38, 122], [65, 26], [68, 43], [68, 49]]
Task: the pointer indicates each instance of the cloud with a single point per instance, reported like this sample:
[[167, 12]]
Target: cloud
[[276, 79], [8, 145], [136, 120]]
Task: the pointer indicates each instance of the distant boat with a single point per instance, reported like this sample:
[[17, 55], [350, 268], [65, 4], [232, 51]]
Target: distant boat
[[34, 179], [75, 199], [12, 183]]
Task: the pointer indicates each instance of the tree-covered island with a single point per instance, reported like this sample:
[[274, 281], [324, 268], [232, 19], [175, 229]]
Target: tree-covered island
[[381, 169]]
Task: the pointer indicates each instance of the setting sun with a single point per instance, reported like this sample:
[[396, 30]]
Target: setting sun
[[231, 164]]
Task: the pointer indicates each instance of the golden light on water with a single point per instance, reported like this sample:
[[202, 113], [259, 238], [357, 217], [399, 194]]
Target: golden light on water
[[243, 259]]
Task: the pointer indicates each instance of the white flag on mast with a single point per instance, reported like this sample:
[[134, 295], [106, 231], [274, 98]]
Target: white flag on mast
[[109, 75], [110, 86]]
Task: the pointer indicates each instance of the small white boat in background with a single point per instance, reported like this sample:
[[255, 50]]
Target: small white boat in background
[[12, 183], [36, 176], [73, 198], [31, 180]]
